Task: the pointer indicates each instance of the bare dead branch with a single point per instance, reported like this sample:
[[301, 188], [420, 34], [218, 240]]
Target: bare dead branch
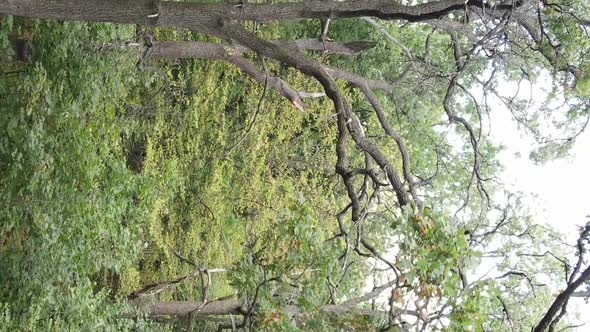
[[386, 33]]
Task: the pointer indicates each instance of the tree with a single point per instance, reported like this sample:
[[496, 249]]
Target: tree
[[458, 47], [575, 279]]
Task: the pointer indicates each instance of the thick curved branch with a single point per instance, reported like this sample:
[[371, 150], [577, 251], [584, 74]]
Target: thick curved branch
[[407, 173], [201, 50], [196, 49], [584, 235], [355, 79], [211, 51]]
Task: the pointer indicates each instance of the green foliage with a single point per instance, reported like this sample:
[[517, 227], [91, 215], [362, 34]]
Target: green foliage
[[104, 171], [583, 85], [433, 247], [72, 209], [108, 168], [297, 261]]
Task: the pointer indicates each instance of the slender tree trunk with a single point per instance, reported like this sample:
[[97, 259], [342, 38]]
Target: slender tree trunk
[[203, 50], [236, 307], [196, 309], [546, 322], [231, 306]]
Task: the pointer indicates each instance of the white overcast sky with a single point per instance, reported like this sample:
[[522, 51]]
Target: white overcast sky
[[561, 186], [558, 189]]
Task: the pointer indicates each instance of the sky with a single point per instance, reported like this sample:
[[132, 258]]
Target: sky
[[557, 190], [560, 185]]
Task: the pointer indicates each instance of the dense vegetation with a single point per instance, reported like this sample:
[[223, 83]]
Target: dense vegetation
[[106, 167], [125, 180]]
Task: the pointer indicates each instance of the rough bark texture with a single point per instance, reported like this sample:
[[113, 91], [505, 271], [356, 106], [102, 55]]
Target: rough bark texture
[[116, 11], [194, 49]]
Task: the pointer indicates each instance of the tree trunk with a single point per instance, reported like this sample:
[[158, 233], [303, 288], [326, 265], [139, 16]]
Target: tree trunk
[[204, 50], [266, 12], [205, 16], [183, 308], [546, 322], [236, 307]]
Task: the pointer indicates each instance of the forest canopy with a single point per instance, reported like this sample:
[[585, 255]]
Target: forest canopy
[[295, 165]]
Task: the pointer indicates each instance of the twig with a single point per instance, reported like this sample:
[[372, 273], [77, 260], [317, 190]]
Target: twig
[[266, 73]]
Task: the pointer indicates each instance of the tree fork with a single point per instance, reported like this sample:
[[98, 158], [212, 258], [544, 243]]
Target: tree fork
[[199, 18]]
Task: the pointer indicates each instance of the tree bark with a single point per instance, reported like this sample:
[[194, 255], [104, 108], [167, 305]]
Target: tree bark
[[196, 50], [211, 51], [116, 11]]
